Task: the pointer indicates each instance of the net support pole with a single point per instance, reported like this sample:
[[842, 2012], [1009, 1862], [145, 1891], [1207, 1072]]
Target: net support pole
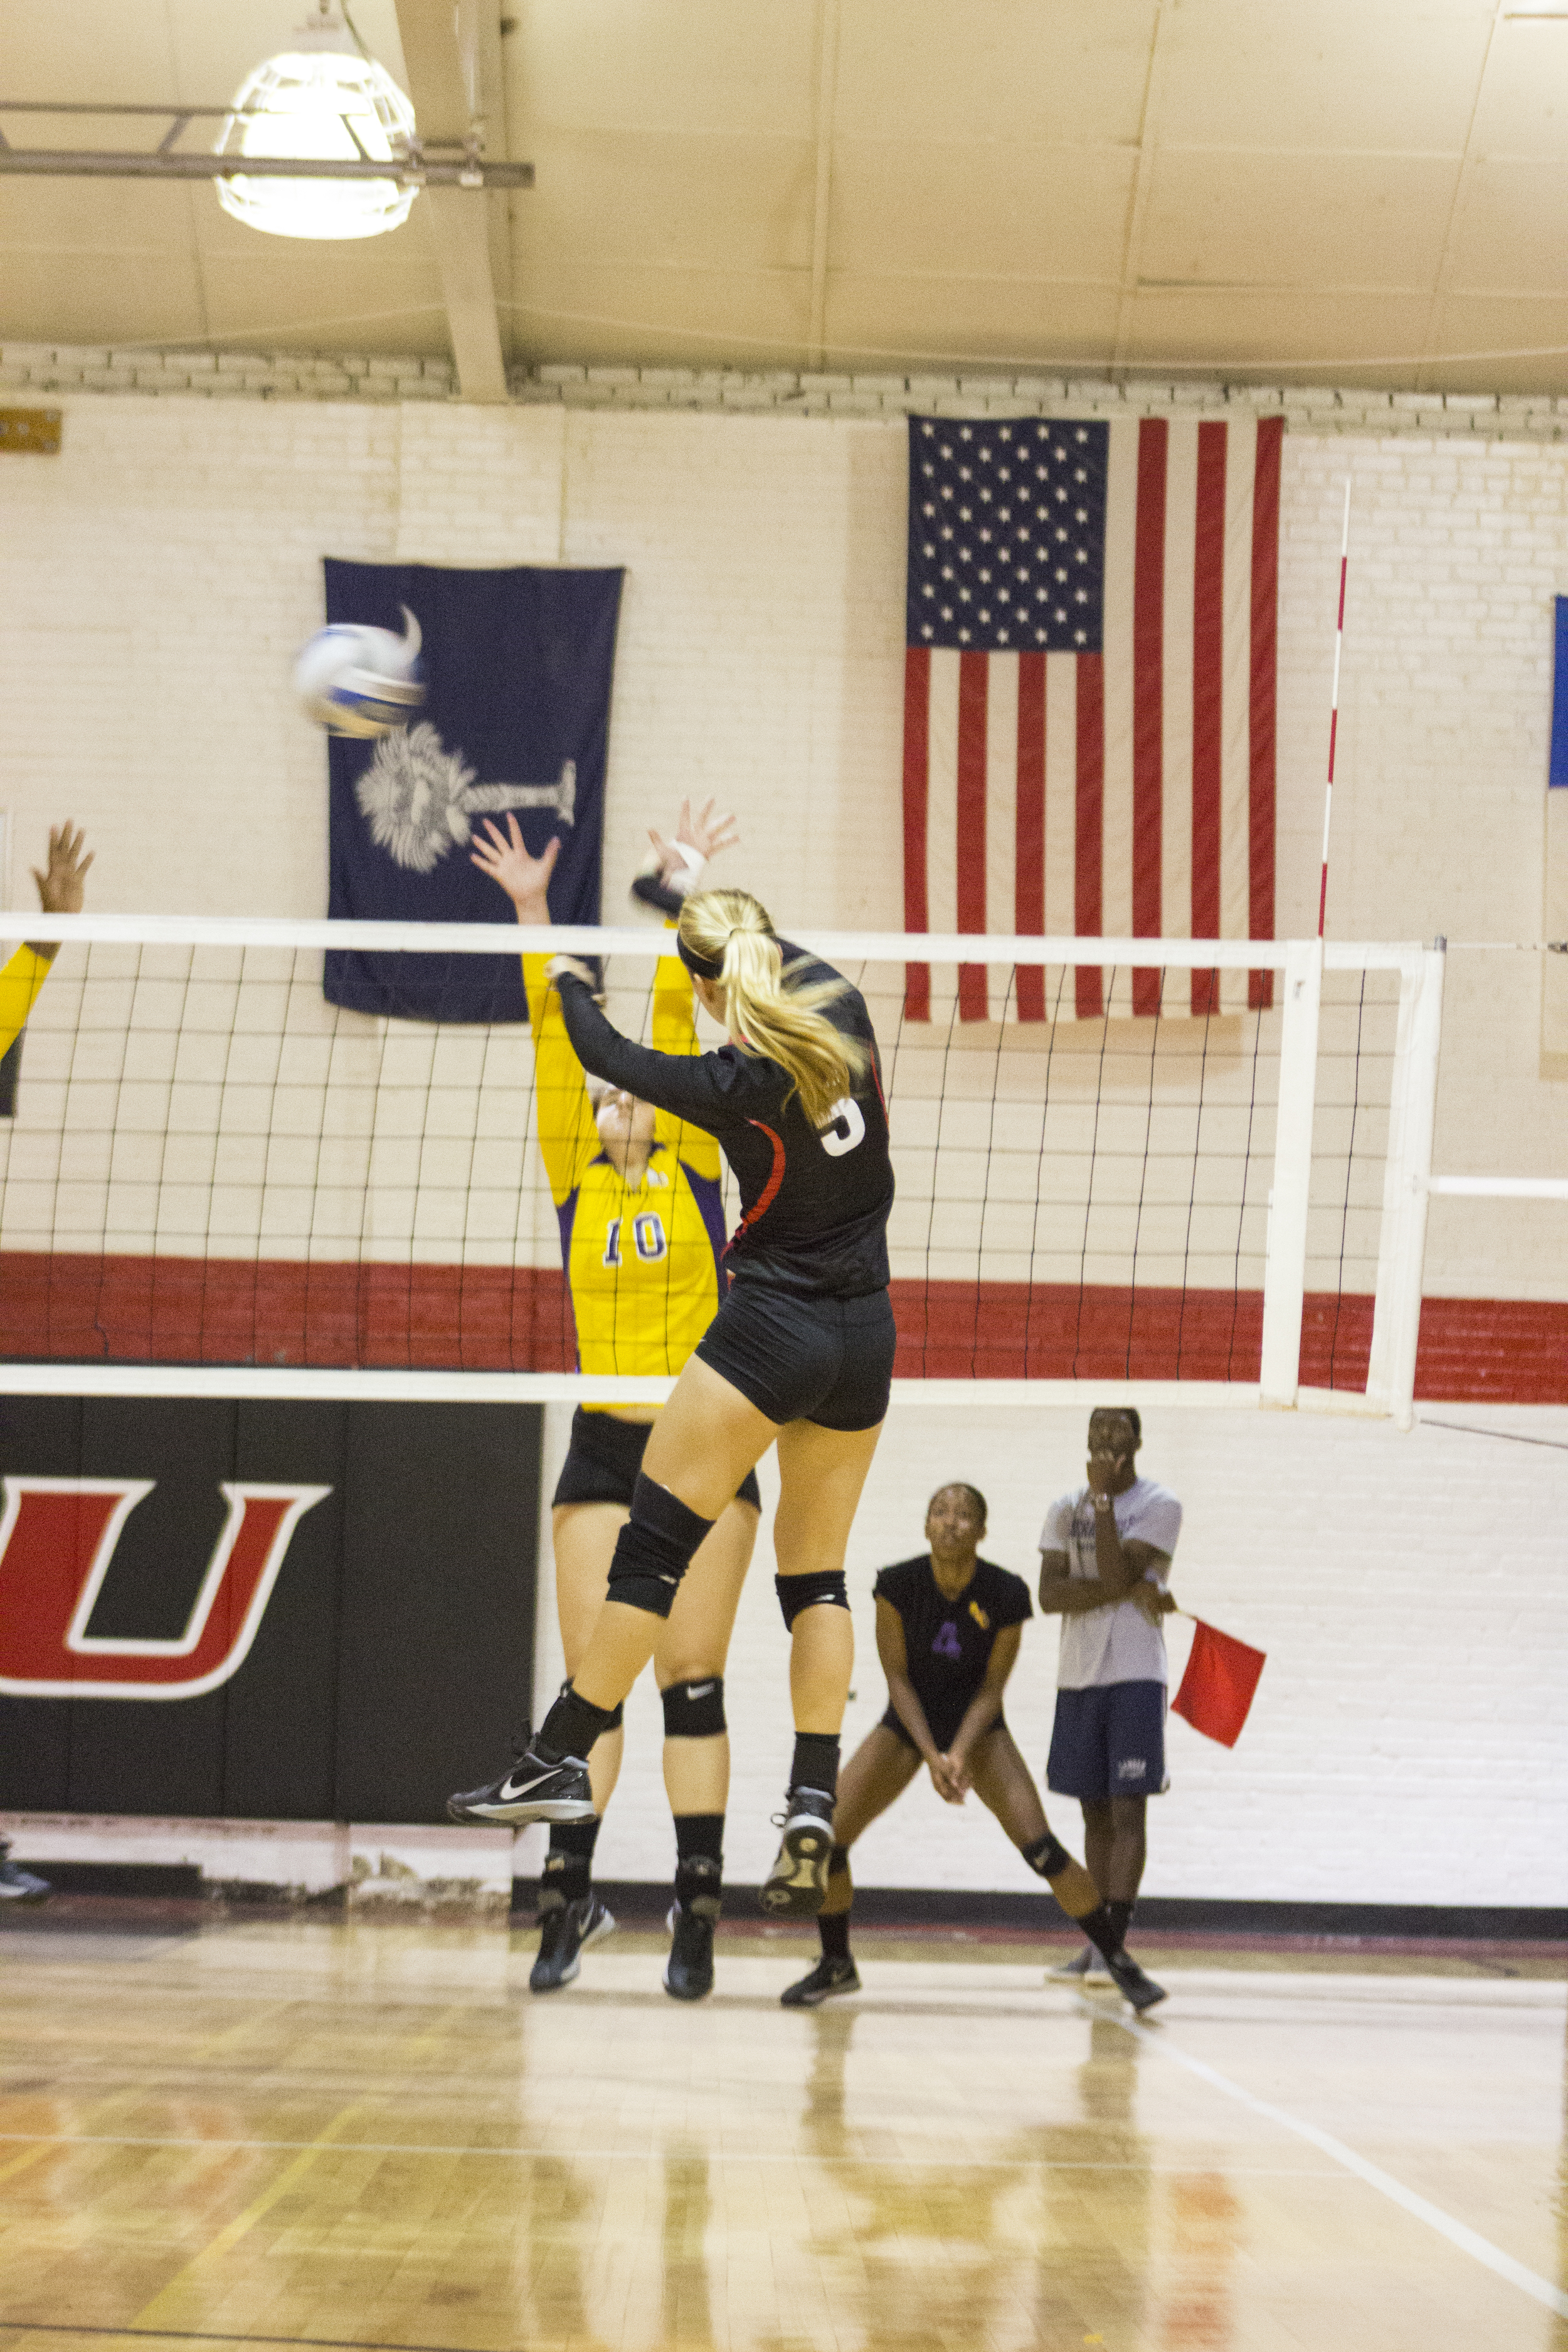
[[1402, 1243], [1285, 1260]]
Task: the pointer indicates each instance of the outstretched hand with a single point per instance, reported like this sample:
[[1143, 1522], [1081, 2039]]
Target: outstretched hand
[[504, 857], [62, 884], [707, 835]]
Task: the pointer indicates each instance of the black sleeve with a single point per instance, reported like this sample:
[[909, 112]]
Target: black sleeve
[[1011, 1604], [695, 1087]]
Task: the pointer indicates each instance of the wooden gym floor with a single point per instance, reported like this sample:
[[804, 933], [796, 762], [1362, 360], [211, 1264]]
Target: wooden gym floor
[[306, 2131]]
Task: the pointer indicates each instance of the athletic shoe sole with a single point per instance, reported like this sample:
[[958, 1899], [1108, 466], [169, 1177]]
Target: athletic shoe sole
[[521, 1809], [1069, 1973], [796, 1885]]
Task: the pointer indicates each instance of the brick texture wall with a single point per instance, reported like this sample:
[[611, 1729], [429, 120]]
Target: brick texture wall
[[156, 579]]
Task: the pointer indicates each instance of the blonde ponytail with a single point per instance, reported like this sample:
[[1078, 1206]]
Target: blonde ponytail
[[726, 937]]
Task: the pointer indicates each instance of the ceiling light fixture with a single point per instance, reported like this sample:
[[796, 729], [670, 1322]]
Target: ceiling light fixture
[[326, 99]]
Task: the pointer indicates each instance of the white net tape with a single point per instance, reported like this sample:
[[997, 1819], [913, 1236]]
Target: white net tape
[[210, 1165]]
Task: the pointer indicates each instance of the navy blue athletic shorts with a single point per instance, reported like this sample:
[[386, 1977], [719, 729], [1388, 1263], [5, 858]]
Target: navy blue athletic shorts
[[825, 1360], [604, 1457], [1108, 1742]]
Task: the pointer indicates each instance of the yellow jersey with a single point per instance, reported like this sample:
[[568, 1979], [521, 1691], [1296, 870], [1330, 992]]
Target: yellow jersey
[[19, 984], [642, 1261]]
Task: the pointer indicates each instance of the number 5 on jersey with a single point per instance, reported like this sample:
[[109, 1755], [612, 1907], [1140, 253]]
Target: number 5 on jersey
[[845, 1129], [647, 1235]]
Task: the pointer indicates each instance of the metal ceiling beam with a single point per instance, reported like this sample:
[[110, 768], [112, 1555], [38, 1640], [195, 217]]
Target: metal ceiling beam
[[443, 84], [448, 174]]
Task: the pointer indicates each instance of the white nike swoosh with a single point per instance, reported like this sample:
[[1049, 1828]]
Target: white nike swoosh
[[509, 1791], [698, 1690]]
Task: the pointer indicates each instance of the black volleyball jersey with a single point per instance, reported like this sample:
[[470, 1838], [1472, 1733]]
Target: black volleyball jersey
[[948, 1643], [813, 1205]]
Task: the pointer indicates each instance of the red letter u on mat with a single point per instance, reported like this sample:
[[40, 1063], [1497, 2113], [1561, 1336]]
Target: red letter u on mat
[[58, 1536]]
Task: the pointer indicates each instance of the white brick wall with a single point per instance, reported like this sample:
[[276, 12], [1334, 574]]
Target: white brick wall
[[1408, 1743], [156, 577]]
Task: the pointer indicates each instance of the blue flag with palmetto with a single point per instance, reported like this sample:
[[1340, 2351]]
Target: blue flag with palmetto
[[517, 665]]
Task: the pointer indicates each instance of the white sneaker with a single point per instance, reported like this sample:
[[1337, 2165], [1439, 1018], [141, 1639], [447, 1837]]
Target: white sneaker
[[1090, 1962]]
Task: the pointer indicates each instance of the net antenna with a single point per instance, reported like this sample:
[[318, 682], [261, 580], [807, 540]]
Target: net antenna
[[1334, 708]]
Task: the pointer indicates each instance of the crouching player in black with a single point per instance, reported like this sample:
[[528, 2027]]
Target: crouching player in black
[[948, 1628]]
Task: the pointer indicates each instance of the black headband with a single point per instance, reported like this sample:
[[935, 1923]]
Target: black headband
[[709, 967]]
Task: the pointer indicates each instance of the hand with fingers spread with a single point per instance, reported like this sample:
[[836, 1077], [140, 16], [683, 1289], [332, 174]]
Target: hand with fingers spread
[[504, 857], [62, 883], [696, 840]]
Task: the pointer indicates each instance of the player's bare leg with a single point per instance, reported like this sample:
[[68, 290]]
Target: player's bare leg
[[822, 1472], [689, 1666], [876, 1776], [705, 1439], [1003, 1782]]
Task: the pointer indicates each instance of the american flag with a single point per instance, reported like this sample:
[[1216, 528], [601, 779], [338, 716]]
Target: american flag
[[1089, 694]]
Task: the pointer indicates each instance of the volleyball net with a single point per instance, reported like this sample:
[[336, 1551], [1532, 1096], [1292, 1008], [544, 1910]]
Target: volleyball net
[[213, 1177]]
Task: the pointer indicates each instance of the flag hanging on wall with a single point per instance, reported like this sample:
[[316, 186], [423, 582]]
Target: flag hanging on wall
[[1089, 695], [517, 665]]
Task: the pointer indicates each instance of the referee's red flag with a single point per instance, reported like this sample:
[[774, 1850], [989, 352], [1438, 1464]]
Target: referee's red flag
[[1217, 1687]]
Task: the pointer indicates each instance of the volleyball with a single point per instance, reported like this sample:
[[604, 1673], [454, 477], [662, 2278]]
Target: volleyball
[[359, 681]]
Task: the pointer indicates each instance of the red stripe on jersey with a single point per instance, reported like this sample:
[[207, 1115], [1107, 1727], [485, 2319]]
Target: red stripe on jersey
[[769, 1193]]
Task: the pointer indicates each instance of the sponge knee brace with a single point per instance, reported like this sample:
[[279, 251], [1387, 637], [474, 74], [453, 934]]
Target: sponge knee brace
[[695, 1710], [653, 1550], [819, 1588]]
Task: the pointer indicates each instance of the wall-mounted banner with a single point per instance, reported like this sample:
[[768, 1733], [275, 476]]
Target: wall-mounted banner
[[265, 1612], [517, 665]]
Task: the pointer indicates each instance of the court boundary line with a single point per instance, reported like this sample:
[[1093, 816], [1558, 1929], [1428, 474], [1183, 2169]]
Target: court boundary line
[[1458, 2234]]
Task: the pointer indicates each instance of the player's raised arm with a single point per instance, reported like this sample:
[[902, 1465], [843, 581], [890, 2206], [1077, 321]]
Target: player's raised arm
[[61, 891]]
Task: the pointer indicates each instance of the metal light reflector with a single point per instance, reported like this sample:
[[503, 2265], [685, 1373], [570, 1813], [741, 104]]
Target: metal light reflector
[[331, 106]]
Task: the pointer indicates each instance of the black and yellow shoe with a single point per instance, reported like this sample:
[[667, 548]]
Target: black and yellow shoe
[[796, 1885], [829, 1977]]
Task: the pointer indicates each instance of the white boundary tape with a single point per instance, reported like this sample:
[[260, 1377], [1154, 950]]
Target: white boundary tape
[[1457, 2234]]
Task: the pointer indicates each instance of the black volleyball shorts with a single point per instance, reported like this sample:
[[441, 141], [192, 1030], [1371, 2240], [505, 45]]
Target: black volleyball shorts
[[942, 1722], [829, 1360], [604, 1457]]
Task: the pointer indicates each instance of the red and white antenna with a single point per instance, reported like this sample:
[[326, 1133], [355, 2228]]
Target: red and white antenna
[[1334, 720]]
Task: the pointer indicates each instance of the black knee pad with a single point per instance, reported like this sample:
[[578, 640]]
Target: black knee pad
[[819, 1588], [1048, 1857], [837, 1861], [653, 1550], [695, 1710]]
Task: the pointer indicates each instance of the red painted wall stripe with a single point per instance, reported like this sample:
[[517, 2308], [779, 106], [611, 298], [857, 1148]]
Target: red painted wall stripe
[[1029, 851], [124, 1309], [1090, 828], [1148, 696], [1261, 712], [1208, 700], [917, 795], [972, 670]]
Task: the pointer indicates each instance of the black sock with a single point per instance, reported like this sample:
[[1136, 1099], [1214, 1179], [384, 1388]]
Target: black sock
[[569, 1864], [1101, 1929], [816, 1764], [833, 1927], [700, 1854], [1120, 1917], [571, 1727]]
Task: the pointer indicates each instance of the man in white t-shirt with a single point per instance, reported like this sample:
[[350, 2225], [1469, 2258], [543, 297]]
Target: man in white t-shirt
[[1105, 1556]]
